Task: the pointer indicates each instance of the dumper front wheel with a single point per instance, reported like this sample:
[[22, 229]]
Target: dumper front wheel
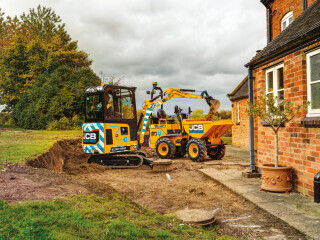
[[165, 148], [196, 149], [217, 153]]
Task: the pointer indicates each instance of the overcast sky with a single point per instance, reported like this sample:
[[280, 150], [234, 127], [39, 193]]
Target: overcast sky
[[196, 44]]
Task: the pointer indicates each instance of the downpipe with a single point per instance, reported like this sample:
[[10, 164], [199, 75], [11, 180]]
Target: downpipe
[[251, 123]]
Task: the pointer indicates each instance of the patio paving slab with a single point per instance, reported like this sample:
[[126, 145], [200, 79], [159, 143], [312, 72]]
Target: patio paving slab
[[298, 211]]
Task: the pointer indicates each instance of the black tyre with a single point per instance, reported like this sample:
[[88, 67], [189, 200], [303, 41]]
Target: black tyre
[[165, 148], [196, 149], [217, 153]]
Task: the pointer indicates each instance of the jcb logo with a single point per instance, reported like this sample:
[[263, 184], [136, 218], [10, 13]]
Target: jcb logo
[[91, 137], [196, 128]]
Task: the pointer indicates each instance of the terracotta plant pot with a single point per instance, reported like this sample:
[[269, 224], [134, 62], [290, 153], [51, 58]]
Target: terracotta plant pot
[[276, 179]]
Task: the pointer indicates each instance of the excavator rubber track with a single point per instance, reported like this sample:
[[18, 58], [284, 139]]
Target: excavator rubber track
[[121, 160]]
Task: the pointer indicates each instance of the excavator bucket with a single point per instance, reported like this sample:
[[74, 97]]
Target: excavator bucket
[[214, 106]]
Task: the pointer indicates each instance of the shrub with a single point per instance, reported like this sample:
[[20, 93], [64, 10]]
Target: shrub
[[53, 125], [76, 122], [5, 119], [64, 124]]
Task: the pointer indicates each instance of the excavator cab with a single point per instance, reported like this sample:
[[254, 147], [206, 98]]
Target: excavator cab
[[110, 128]]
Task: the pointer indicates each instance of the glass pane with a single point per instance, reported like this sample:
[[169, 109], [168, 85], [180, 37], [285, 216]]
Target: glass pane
[[109, 104], [315, 67], [281, 95], [270, 95], [270, 81], [284, 25], [94, 107], [280, 78], [280, 99], [315, 95], [127, 104], [290, 20]]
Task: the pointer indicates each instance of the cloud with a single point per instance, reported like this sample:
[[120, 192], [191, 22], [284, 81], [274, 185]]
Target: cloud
[[186, 44]]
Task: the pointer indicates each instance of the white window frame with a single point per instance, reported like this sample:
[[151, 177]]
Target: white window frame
[[286, 18], [311, 112], [275, 89], [238, 108]]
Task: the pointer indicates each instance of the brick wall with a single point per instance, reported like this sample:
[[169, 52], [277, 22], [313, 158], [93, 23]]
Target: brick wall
[[240, 131], [281, 8], [299, 146]]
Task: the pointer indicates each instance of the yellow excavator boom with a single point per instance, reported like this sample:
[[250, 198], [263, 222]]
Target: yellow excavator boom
[[170, 93]]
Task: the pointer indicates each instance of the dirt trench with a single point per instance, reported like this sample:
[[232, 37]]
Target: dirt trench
[[65, 156]]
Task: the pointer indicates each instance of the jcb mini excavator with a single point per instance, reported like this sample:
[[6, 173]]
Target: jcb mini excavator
[[110, 132]]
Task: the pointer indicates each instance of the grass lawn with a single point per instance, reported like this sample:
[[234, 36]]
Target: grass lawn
[[92, 217], [16, 144]]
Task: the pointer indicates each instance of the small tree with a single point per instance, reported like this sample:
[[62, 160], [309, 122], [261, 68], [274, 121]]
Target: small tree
[[275, 113]]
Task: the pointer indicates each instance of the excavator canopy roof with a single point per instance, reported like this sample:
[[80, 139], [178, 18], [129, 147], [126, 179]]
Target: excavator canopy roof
[[101, 88]]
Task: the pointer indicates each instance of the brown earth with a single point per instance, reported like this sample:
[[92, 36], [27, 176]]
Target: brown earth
[[23, 183], [66, 156], [183, 187]]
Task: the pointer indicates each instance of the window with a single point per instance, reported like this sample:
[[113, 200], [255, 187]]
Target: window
[[274, 82], [94, 107], [286, 20], [120, 103], [109, 104], [313, 78], [127, 104]]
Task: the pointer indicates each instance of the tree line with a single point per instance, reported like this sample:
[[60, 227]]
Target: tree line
[[43, 74]]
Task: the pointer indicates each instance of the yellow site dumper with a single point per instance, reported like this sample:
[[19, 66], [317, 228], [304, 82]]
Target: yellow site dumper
[[178, 136]]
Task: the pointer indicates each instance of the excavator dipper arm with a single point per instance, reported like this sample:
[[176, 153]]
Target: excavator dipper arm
[[169, 94]]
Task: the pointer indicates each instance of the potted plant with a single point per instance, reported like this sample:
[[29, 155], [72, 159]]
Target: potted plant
[[275, 114]]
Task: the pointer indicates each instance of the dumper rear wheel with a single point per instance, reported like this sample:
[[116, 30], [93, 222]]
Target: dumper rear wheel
[[165, 148], [196, 149], [217, 153]]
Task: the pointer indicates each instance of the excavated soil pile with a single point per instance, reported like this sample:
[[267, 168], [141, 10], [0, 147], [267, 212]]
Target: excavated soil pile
[[66, 156]]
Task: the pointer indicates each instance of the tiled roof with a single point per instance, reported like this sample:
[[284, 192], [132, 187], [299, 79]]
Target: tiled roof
[[241, 91], [266, 2], [302, 30]]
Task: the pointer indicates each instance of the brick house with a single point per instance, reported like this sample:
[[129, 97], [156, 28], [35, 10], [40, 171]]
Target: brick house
[[239, 100], [289, 68]]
